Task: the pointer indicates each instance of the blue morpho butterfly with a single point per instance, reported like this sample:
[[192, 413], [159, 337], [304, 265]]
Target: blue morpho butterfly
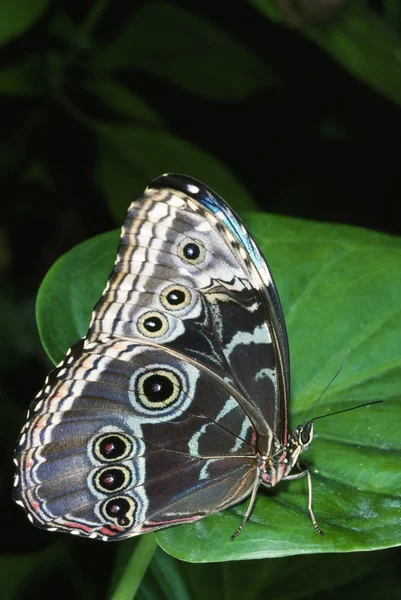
[[175, 404]]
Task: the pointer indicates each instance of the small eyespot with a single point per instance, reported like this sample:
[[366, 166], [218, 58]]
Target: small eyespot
[[158, 388], [192, 251], [153, 324], [111, 447], [120, 510], [175, 297], [112, 479]]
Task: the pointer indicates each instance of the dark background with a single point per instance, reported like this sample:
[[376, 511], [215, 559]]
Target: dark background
[[314, 141]]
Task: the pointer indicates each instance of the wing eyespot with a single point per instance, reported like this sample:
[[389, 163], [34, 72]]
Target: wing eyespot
[[120, 510], [175, 297], [158, 388], [153, 324], [112, 479], [110, 447], [192, 251]]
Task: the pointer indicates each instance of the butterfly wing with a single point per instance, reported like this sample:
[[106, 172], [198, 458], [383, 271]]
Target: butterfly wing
[[265, 289], [229, 317], [117, 443], [157, 416]]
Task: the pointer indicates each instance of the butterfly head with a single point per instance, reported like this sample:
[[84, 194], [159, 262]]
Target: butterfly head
[[302, 437], [299, 441]]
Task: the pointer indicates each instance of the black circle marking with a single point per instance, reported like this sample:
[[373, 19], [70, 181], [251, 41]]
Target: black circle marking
[[158, 388], [175, 297], [153, 324], [112, 479], [110, 447], [120, 509], [192, 251]]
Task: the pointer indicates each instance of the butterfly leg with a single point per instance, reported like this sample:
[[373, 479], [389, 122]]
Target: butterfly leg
[[310, 510], [249, 509]]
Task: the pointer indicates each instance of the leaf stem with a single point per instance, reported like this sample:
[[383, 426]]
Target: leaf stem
[[135, 569]]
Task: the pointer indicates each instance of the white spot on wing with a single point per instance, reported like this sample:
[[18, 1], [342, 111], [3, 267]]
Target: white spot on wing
[[242, 435], [260, 335], [194, 443], [270, 373], [203, 226], [159, 211]]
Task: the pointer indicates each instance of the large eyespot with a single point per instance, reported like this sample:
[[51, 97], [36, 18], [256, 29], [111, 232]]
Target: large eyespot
[[175, 297], [112, 479], [158, 388], [152, 324], [112, 447], [192, 251], [120, 510]]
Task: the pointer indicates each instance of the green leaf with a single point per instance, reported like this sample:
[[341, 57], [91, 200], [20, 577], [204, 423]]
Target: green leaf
[[70, 290], [131, 156], [340, 289], [392, 12], [180, 46], [127, 104], [360, 40], [282, 579], [17, 18]]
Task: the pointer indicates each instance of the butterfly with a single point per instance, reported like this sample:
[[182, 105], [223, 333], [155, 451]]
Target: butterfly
[[175, 404]]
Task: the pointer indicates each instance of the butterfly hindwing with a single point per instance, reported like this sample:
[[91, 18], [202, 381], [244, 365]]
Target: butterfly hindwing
[[161, 452]]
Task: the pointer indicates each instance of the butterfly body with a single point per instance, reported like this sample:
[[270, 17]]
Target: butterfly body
[[175, 404]]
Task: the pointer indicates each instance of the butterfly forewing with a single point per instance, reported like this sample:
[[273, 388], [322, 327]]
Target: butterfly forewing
[[157, 416]]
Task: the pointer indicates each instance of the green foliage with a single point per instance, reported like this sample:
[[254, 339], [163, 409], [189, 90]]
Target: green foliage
[[130, 157], [172, 43], [365, 43], [330, 576], [340, 289], [14, 22]]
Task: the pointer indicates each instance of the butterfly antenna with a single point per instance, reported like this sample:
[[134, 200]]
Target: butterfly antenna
[[327, 386], [338, 412]]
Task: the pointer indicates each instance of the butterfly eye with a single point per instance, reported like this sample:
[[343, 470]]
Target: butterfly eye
[[175, 297], [121, 510], [192, 252], [152, 324], [158, 388], [305, 437], [112, 479], [112, 446]]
